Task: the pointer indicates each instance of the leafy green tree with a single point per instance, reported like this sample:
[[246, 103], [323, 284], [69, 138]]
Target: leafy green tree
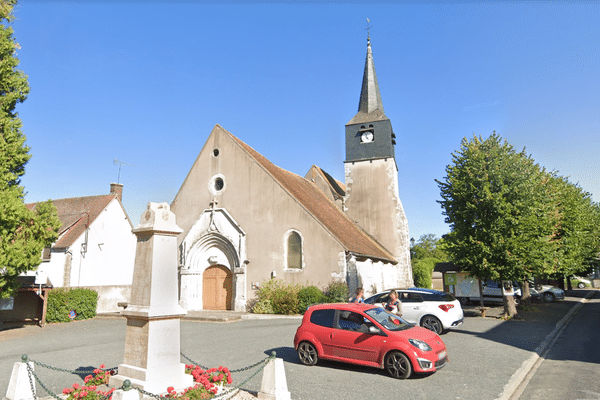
[[429, 246], [497, 203], [577, 232], [23, 232]]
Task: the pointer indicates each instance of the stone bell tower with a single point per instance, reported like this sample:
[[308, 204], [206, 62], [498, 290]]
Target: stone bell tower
[[372, 196]]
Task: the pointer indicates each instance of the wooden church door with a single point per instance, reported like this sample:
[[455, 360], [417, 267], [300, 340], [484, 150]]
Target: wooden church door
[[216, 288]]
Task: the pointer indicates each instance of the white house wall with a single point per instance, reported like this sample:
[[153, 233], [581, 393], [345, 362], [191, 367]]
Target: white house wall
[[110, 254], [376, 276]]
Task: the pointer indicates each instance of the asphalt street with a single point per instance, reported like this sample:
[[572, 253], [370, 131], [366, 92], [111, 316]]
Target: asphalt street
[[570, 369], [484, 354]]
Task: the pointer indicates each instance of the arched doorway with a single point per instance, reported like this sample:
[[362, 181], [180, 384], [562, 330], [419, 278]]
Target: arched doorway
[[217, 288]]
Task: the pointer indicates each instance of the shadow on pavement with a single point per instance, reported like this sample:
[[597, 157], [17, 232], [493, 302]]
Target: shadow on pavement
[[534, 325], [289, 355]]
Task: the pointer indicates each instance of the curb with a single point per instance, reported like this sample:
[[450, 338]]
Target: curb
[[519, 380]]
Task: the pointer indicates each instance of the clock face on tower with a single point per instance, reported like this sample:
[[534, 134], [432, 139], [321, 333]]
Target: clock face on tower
[[366, 137]]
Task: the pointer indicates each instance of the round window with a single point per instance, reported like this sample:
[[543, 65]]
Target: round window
[[219, 184], [216, 152]]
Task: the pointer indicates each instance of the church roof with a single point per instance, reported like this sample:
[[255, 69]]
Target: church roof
[[353, 238], [76, 214], [370, 106], [335, 185]]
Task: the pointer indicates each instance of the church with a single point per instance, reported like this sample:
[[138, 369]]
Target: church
[[246, 221]]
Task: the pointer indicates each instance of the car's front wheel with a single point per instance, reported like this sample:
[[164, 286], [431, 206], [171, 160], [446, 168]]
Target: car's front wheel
[[432, 323], [581, 285], [398, 365], [308, 353], [548, 297]]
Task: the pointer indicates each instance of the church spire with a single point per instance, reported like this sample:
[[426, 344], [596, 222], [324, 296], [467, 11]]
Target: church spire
[[370, 98]]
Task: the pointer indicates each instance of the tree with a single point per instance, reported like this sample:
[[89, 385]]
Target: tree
[[428, 246], [577, 233], [497, 203], [23, 232]]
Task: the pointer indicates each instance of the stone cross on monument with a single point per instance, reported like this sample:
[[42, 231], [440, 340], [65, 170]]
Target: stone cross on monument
[[152, 359]]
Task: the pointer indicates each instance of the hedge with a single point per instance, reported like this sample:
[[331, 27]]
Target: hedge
[[62, 301]]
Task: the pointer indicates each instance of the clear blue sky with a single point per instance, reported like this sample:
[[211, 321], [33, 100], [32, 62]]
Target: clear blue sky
[[146, 81]]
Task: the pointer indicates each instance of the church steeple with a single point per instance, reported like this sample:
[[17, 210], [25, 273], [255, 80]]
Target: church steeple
[[369, 133], [370, 98]]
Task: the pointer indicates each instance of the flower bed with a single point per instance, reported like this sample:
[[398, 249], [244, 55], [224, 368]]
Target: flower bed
[[208, 384]]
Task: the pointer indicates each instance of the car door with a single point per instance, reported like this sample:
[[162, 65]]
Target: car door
[[412, 306], [351, 340], [323, 329]]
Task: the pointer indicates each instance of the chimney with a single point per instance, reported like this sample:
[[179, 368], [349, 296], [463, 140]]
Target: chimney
[[117, 190]]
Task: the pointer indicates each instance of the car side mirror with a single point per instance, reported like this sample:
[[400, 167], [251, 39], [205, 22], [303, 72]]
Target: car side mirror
[[374, 330]]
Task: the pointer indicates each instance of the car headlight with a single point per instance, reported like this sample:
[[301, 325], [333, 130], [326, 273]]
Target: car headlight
[[419, 344]]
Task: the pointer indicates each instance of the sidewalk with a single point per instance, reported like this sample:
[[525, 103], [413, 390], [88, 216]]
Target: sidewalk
[[216, 316]]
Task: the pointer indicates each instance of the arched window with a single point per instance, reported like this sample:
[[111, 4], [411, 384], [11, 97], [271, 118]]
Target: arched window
[[294, 250]]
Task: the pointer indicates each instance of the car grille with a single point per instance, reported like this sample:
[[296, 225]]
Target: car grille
[[441, 363]]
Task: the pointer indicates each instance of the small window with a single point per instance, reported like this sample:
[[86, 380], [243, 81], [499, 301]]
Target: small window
[[411, 298], [294, 251], [216, 152], [217, 184], [351, 321], [323, 318]]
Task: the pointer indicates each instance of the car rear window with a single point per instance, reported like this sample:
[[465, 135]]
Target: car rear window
[[323, 318], [441, 296]]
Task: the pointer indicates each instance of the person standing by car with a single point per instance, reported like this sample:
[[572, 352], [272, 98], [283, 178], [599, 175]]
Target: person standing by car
[[359, 296], [394, 305]]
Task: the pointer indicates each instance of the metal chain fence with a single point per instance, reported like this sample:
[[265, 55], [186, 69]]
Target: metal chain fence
[[127, 383]]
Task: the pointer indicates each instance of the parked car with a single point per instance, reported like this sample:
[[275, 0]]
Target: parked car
[[547, 293], [581, 283], [368, 335], [431, 309]]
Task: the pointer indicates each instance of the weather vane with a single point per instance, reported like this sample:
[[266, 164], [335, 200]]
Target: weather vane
[[369, 26], [120, 164]]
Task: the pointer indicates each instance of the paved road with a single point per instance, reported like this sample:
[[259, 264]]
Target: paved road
[[571, 368], [484, 355]]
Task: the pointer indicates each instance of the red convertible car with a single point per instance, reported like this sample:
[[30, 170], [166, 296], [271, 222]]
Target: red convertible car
[[368, 335]]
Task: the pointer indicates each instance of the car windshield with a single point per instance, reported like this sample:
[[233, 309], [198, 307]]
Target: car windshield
[[388, 320]]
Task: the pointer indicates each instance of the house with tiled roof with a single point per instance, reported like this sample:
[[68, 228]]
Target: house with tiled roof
[[95, 247], [246, 220]]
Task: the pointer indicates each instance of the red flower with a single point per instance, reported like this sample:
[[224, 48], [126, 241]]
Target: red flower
[[67, 391], [102, 366], [170, 389], [76, 386]]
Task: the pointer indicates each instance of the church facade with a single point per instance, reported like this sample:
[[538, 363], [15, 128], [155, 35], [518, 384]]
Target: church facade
[[245, 220]]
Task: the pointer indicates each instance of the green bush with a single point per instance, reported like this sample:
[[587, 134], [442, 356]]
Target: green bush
[[422, 272], [62, 301], [282, 296], [285, 301], [309, 295], [263, 307], [337, 292]]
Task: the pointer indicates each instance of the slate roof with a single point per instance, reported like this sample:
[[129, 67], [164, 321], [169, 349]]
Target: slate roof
[[353, 238], [370, 106], [75, 214]]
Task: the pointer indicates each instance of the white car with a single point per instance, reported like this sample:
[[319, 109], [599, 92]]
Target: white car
[[431, 309]]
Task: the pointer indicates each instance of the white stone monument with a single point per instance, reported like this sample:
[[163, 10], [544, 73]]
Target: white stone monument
[[152, 341]]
